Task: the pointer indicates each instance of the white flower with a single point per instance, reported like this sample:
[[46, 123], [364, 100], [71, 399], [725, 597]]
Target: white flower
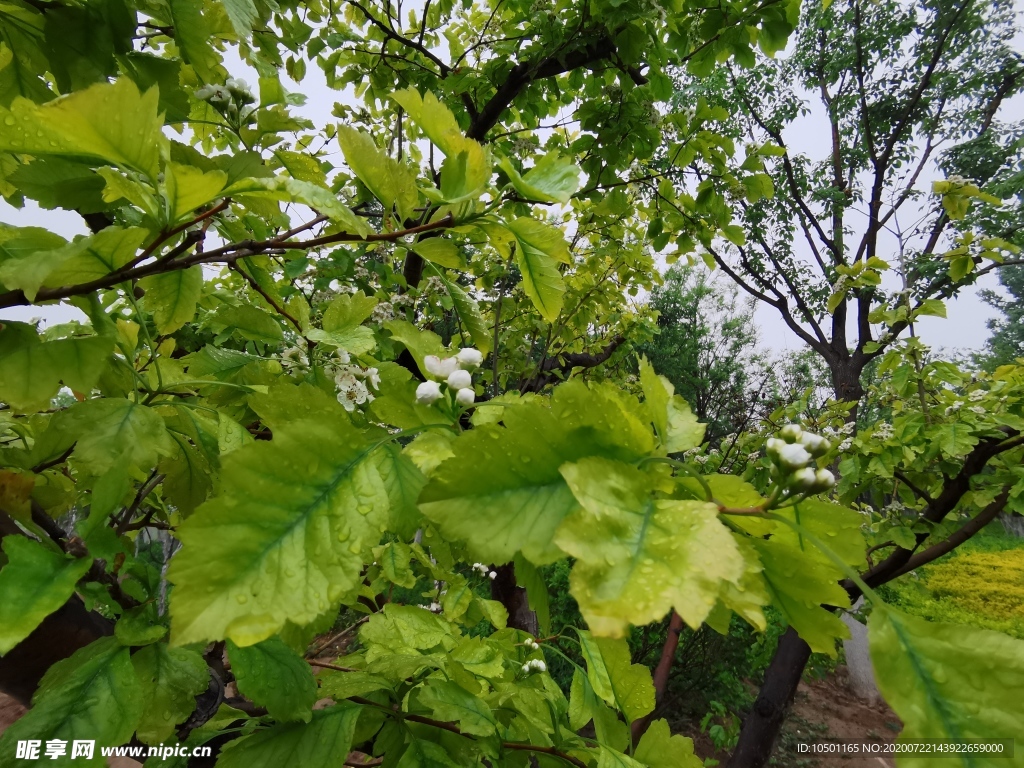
[[753, 456], [527, 669], [372, 376], [793, 456], [804, 479], [539, 665], [352, 392], [884, 431], [428, 392], [791, 433], [460, 379], [438, 368], [977, 409], [469, 357], [344, 358], [435, 608], [846, 444], [976, 395], [848, 427], [773, 445], [465, 397], [492, 575]]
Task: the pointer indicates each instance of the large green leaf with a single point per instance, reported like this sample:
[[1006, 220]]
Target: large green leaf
[[273, 675], [284, 539], [638, 557], [296, 191], [799, 583], [324, 742], [553, 179], [112, 123], [342, 324], [35, 582], [424, 754], [451, 703], [31, 371], [92, 695], [193, 35], [117, 433], [172, 296], [538, 248], [626, 686], [658, 748], [501, 491], [170, 679], [469, 314], [948, 682], [96, 256], [189, 187], [390, 181]]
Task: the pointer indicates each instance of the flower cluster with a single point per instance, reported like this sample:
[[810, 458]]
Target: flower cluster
[[353, 381], [229, 98], [483, 570], [453, 372], [793, 452], [884, 431], [534, 665], [533, 645]]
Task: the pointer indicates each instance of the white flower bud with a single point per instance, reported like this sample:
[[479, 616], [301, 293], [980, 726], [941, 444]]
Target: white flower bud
[[492, 575], [527, 669], [438, 368], [470, 358], [539, 665], [465, 396], [816, 445], [460, 379], [790, 433], [773, 446], [793, 456], [428, 392], [823, 480], [804, 479]]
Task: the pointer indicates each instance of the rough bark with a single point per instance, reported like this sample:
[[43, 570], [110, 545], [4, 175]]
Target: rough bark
[[513, 597], [761, 727]]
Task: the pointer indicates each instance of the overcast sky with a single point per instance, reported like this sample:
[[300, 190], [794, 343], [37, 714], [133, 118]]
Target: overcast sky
[[965, 328]]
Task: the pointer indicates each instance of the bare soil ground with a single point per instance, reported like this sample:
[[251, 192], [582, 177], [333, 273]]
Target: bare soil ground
[[824, 709]]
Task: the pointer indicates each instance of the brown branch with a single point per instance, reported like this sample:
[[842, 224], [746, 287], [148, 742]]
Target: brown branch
[[228, 254], [42, 467], [267, 297], [902, 477], [326, 665], [145, 489], [661, 673]]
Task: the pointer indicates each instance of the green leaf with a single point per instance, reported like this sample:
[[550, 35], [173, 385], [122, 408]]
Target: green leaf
[[419, 343], [31, 371], [249, 321], [242, 14], [626, 686], [170, 679], [394, 561], [92, 695], [273, 675], [440, 251], [554, 179], [676, 424], [960, 267], [501, 491], [404, 482], [189, 187], [89, 258], [172, 297], [112, 123], [35, 582], [342, 323], [637, 557], [469, 314], [193, 36], [117, 433], [433, 118], [799, 584], [451, 703], [284, 539], [657, 392], [954, 439], [390, 181], [296, 191], [658, 748], [538, 248], [947, 682], [424, 754], [324, 742]]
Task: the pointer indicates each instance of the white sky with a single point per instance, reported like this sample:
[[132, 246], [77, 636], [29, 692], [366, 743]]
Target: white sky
[[965, 327]]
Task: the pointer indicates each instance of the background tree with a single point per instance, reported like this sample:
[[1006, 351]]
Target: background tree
[[852, 248], [1006, 343]]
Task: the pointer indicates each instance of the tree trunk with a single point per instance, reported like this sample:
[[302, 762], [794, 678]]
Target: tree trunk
[[505, 590], [762, 725]]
